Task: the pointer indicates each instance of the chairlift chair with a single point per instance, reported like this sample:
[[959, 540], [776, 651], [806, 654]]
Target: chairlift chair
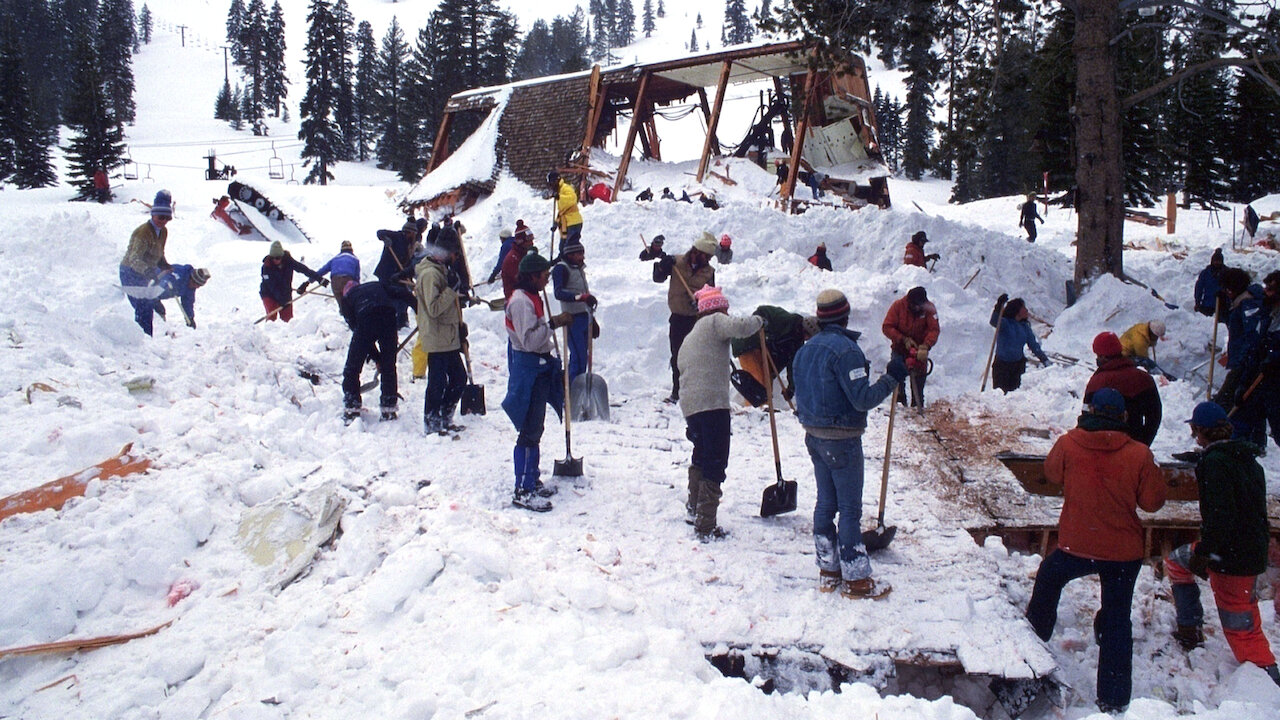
[[130, 168], [292, 180], [275, 166]]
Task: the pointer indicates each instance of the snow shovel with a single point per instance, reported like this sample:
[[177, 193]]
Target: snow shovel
[[590, 392], [881, 536], [569, 466], [472, 401], [779, 497]]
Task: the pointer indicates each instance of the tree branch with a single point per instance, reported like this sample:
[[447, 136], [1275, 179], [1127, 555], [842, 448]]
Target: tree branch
[[1143, 95]]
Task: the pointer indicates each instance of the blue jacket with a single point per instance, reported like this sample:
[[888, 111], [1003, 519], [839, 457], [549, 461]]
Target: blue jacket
[[342, 264], [502, 255], [526, 369], [177, 284], [1011, 336], [831, 376], [1244, 326], [1207, 286]]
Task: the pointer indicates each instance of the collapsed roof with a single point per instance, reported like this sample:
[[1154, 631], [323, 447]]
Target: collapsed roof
[[533, 126]]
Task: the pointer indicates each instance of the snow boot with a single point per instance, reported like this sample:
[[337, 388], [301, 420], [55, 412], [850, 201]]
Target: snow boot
[[541, 489], [829, 581], [529, 500], [350, 415], [716, 533], [691, 504], [1273, 673], [388, 412], [350, 407], [446, 420], [704, 523], [865, 589], [1189, 637], [1110, 709]]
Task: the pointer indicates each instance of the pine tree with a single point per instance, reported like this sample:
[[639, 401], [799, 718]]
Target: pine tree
[[1253, 145], [921, 64], [253, 43], [24, 147], [394, 109], [236, 118], [698, 23], [235, 30], [1053, 95], [569, 37], [624, 24], [737, 27], [366, 91], [498, 56], [344, 105], [602, 25], [97, 139], [116, 39], [145, 24], [662, 11], [537, 56], [275, 73], [222, 107], [1202, 103], [319, 131], [693, 41], [647, 23]]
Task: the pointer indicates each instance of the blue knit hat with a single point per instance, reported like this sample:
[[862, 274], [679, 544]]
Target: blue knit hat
[[163, 204]]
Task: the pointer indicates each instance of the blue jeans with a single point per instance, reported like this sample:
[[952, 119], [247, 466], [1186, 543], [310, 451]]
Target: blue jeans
[[1112, 625], [143, 308], [837, 467], [578, 344]]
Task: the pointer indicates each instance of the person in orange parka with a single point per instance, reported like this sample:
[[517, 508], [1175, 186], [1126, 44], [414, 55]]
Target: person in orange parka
[[914, 254], [912, 328], [1105, 476]]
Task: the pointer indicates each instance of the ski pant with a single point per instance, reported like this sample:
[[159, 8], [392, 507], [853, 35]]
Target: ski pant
[[1237, 604], [681, 325], [274, 309], [535, 417], [578, 332], [446, 377], [709, 433], [838, 470], [571, 234], [1031, 230], [143, 308], [1007, 376], [374, 336], [1112, 626]]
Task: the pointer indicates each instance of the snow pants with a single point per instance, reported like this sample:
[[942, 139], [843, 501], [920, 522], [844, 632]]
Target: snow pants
[[1007, 376], [709, 433], [446, 378], [277, 310], [1237, 604], [681, 326], [578, 334], [144, 309], [374, 336], [837, 468], [1112, 626]]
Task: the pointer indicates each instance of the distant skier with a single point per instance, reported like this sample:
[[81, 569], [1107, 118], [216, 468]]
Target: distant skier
[[688, 273], [1141, 398], [343, 268], [570, 287], [101, 186], [704, 364], [276, 288], [1013, 332], [181, 282], [819, 258], [1029, 216], [371, 313], [144, 262], [568, 216], [914, 254]]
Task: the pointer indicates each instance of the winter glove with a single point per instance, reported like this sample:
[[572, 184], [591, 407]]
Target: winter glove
[[1190, 456], [554, 227], [559, 321], [595, 329], [302, 289], [492, 277], [1004, 298], [1199, 565], [911, 344], [922, 354], [589, 299], [1045, 361], [931, 256], [324, 282], [896, 369]]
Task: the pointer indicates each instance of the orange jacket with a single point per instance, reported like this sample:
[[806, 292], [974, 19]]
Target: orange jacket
[[1106, 476], [914, 255], [900, 323]]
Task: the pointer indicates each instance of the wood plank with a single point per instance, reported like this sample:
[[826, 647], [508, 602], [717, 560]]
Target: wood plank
[[54, 494]]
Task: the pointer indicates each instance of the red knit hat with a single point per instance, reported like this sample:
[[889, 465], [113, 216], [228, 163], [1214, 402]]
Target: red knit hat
[[710, 299], [1106, 344]]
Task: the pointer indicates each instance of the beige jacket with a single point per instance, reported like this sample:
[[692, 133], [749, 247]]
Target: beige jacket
[[679, 300], [438, 311]]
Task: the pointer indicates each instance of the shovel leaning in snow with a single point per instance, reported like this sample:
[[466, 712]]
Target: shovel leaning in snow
[[779, 497], [881, 536], [570, 466], [589, 391]]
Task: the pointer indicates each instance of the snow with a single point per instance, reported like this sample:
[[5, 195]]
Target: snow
[[440, 600]]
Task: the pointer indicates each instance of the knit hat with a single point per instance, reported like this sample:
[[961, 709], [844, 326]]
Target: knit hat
[[346, 247], [572, 247], [1109, 402], [810, 324], [917, 296], [533, 263], [705, 244], [410, 225], [277, 250], [725, 240], [920, 238], [1157, 328], [1216, 257], [710, 299], [163, 204], [833, 307], [447, 240], [1208, 415], [199, 277], [658, 239], [504, 233], [1106, 344]]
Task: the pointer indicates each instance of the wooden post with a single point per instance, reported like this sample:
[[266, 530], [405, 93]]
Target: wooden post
[[440, 151], [594, 108], [714, 121], [802, 127], [636, 119], [706, 115], [1171, 213], [777, 88]]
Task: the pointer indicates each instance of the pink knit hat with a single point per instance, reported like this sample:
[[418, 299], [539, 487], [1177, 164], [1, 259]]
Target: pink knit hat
[[710, 299]]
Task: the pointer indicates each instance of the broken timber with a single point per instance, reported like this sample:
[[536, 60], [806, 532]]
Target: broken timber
[[53, 495]]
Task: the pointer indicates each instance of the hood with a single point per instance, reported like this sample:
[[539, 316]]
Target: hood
[[1098, 440], [1242, 450]]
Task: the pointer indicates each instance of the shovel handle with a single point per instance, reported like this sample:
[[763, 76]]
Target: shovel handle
[[773, 424], [888, 445]]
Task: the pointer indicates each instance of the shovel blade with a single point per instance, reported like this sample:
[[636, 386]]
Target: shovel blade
[[589, 397], [778, 498], [472, 402], [569, 467], [879, 538]]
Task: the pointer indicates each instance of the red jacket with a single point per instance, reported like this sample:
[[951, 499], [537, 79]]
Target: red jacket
[[914, 255], [1141, 398], [511, 268], [1106, 476], [900, 323]]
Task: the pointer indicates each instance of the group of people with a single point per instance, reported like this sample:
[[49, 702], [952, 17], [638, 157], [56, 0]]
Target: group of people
[[148, 278]]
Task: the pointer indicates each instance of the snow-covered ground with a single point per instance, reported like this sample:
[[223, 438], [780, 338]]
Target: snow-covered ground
[[439, 599]]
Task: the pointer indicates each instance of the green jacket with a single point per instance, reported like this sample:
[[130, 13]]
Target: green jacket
[[1233, 508], [146, 250]]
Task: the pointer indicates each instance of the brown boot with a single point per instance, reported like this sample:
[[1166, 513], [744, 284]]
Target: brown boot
[[828, 580], [691, 505], [704, 524], [865, 589], [1189, 637]]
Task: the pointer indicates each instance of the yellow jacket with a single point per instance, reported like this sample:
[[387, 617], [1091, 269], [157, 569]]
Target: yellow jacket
[[567, 207], [1137, 341]]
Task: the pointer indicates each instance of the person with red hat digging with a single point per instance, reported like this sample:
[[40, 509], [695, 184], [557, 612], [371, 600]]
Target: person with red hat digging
[[1142, 399], [704, 366]]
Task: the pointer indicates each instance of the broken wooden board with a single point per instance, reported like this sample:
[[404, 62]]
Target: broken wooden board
[[79, 644], [53, 495]]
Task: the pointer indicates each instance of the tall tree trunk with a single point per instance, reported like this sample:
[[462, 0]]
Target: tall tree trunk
[[1099, 154]]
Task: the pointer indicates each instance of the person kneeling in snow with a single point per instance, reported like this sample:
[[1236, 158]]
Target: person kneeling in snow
[[534, 381], [833, 395], [371, 310], [1139, 343], [1012, 333], [181, 282], [1105, 476], [704, 368]]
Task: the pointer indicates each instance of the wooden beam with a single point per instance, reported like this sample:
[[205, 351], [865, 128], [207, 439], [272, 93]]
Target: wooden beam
[[636, 120], [778, 89], [651, 129], [802, 127], [706, 116], [713, 121], [595, 105], [440, 151]]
